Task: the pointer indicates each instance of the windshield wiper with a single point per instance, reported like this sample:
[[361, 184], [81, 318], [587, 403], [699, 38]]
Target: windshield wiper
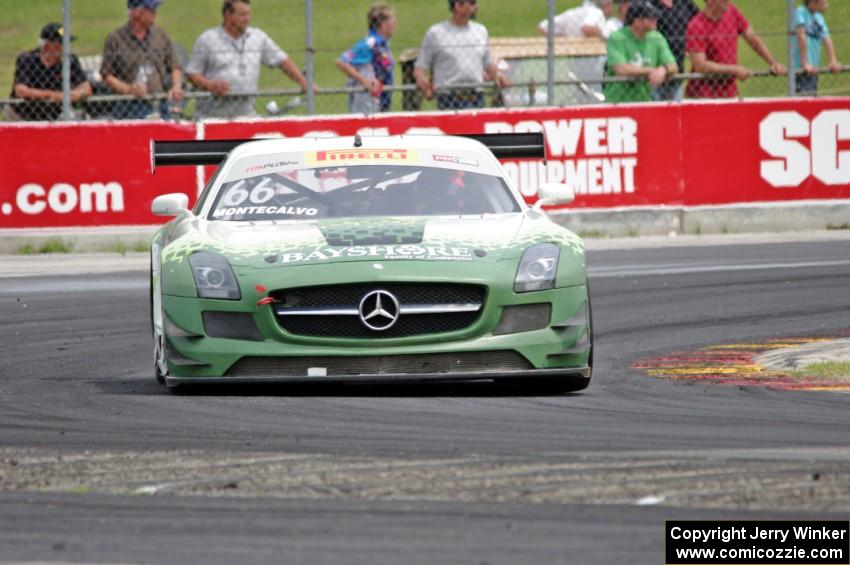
[[389, 175]]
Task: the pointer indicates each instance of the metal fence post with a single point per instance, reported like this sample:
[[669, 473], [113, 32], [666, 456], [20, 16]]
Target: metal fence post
[[792, 37], [67, 114], [550, 53], [308, 38]]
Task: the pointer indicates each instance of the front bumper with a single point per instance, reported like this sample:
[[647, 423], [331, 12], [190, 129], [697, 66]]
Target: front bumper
[[562, 349]]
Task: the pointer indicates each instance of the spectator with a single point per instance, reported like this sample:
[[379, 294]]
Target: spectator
[[370, 64], [226, 61], [712, 43], [38, 79], [811, 31], [638, 51], [139, 59], [455, 52], [587, 20], [673, 18]]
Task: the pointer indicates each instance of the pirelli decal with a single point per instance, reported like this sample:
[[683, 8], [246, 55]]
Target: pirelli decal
[[350, 156]]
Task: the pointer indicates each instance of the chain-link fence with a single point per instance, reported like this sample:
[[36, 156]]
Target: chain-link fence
[[596, 52]]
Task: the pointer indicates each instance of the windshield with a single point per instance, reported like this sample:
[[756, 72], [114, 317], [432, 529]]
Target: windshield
[[281, 192]]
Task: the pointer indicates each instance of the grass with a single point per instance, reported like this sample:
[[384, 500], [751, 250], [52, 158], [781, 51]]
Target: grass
[[56, 245], [122, 248], [339, 23], [835, 370], [592, 234], [81, 489], [53, 245]]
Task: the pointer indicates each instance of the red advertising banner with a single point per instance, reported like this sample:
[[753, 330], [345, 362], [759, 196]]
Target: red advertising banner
[[766, 150], [686, 154], [94, 174]]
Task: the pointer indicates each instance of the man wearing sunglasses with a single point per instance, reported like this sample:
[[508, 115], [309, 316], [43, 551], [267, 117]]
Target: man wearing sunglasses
[[456, 55]]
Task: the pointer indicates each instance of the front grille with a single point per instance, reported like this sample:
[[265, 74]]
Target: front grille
[[440, 363], [407, 293], [349, 296]]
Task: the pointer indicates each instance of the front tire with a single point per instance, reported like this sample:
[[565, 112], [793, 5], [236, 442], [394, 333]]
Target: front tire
[[559, 386], [160, 366], [544, 385]]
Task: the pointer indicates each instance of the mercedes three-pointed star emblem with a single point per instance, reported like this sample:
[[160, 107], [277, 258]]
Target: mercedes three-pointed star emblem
[[379, 310]]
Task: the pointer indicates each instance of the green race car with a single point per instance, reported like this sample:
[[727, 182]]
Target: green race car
[[366, 259]]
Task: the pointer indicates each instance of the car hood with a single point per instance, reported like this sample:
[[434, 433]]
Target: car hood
[[267, 244]]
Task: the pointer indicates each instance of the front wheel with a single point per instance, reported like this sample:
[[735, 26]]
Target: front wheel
[[545, 385], [160, 367]]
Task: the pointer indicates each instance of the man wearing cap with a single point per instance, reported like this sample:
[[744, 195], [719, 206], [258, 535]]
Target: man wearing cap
[[139, 59], [226, 61], [638, 51], [455, 52], [712, 42], [38, 79]]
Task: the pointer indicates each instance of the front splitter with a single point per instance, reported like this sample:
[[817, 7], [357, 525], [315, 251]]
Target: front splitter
[[580, 377]]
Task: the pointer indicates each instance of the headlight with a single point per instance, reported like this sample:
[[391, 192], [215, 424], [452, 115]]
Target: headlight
[[213, 276], [537, 268]]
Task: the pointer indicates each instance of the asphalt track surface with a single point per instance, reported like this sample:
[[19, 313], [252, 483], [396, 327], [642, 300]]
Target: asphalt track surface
[[98, 463]]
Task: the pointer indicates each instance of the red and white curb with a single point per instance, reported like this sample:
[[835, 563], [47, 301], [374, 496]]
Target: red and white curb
[[743, 364]]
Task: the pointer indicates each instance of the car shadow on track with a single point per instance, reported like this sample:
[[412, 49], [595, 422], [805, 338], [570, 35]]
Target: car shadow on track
[[484, 389]]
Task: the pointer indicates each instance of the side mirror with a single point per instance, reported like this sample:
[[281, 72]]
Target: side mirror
[[551, 193], [175, 204]]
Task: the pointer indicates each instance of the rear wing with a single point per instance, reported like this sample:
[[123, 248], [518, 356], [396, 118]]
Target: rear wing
[[212, 152]]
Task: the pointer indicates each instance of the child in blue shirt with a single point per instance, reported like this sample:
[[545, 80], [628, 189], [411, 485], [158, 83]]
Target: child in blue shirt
[[370, 64], [811, 31]]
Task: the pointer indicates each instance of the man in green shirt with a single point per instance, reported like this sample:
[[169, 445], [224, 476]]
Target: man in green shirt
[[639, 52]]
